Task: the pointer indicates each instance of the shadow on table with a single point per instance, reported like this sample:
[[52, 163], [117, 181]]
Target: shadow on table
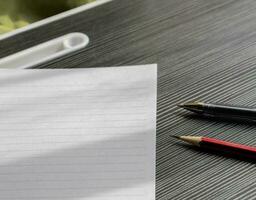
[[75, 173], [219, 120], [217, 153]]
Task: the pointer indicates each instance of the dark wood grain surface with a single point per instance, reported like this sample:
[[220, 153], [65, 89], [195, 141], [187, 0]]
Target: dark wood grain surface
[[206, 50]]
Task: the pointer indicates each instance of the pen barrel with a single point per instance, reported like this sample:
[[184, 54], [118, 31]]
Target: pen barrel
[[232, 149], [229, 112]]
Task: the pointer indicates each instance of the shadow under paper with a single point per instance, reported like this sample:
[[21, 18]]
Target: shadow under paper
[[77, 172]]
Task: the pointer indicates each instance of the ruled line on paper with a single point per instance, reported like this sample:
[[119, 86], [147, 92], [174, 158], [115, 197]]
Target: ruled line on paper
[[78, 134], [69, 121], [60, 103], [120, 96]]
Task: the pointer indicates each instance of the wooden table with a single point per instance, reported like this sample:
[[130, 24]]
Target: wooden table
[[206, 50]]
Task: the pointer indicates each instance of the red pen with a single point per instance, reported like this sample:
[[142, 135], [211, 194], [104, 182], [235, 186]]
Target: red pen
[[230, 148]]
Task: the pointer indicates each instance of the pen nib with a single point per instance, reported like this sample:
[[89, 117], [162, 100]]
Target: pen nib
[[193, 106], [175, 136], [181, 105]]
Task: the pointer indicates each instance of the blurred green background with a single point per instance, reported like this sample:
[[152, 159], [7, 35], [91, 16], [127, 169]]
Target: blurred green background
[[18, 13]]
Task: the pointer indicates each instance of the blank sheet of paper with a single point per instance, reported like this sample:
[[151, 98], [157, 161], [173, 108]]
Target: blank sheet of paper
[[78, 134]]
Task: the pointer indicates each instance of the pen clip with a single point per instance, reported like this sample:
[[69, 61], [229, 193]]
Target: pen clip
[[46, 51]]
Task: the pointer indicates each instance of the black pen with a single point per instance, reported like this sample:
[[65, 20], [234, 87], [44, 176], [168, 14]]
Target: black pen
[[221, 110]]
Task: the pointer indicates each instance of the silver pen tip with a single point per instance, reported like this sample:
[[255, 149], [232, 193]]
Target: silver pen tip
[[191, 104]]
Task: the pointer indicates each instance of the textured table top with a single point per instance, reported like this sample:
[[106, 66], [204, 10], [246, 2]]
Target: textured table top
[[206, 50]]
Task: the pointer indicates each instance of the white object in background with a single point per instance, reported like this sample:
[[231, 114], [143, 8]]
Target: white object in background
[[46, 51], [55, 18]]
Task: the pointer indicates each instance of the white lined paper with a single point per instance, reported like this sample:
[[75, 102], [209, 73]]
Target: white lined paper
[[78, 133]]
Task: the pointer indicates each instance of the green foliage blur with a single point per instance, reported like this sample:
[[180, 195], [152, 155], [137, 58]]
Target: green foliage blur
[[18, 13]]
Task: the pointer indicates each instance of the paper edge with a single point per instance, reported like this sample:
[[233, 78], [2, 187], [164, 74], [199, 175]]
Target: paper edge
[[85, 68]]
